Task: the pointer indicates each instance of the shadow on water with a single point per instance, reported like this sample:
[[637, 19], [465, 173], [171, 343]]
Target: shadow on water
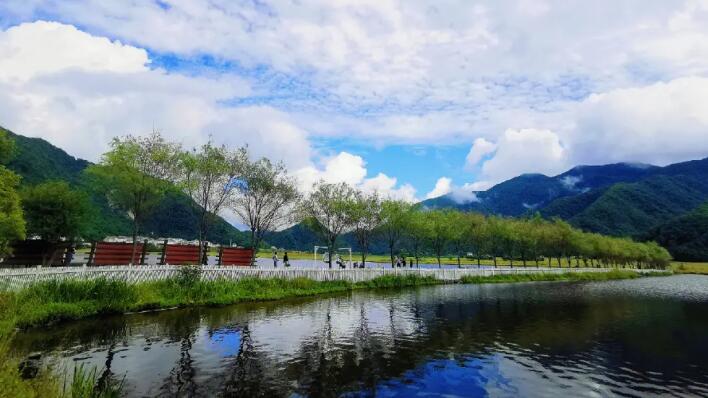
[[639, 337]]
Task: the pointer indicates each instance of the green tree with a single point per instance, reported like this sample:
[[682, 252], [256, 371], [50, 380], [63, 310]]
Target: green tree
[[264, 198], [209, 175], [417, 232], [327, 211], [460, 226], [365, 216], [477, 235], [12, 224], [55, 212], [135, 174], [439, 231], [395, 216]]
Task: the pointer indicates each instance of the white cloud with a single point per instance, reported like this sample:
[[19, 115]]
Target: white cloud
[[659, 123], [351, 169], [523, 151], [387, 187], [443, 186], [480, 148], [38, 48]]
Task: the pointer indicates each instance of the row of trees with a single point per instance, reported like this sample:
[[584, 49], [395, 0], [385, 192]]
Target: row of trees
[[137, 172], [334, 209]]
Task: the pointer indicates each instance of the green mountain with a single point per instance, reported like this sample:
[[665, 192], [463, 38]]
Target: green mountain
[[530, 192], [686, 237], [632, 209], [37, 160]]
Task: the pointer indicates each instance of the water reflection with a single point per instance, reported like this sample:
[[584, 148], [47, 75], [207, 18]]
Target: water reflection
[[542, 339]]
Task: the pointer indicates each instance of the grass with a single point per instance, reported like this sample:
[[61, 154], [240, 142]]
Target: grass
[[47, 303], [567, 276], [689, 268]]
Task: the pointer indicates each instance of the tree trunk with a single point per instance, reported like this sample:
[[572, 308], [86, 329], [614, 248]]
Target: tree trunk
[[458, 261], [479, 261], [255, 242], [135, 240], [390, 250]]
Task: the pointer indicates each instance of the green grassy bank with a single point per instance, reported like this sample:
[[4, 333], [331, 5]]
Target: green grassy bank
[[47, 303], [689, 268]]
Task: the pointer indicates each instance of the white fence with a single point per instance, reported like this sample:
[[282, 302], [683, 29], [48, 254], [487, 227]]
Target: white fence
[[12, 279]]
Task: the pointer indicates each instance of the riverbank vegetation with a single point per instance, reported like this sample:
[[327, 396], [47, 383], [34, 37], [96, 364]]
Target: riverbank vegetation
[[681, 267]]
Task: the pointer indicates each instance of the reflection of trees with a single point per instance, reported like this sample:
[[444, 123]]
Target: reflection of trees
[[467, 321]]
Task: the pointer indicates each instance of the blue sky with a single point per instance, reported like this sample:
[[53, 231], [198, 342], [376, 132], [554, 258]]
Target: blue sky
[[413, 99]]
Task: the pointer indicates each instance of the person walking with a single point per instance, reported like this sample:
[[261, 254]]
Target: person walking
[[69, 256], [286, 260], [275, 259]]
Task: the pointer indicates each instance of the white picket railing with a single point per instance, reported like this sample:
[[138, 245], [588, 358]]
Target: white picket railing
[[17, 278]]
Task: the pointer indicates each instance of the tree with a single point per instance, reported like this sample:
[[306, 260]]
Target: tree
[[135, 174], [327, 211], [12, 224], [417, 231], [439, 231], [55, 212], [459, 232], [494, 232], [365, 216], [394, 216], [264, 198], [209, 174], [476, 234]]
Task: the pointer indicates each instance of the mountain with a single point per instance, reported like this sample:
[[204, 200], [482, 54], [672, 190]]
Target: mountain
[[632, 209], [530, 192], [36, 161], [686, 236], [624, 199]]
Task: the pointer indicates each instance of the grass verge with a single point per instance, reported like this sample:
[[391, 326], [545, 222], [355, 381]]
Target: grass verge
[[567, 276], [46, 303], [689, 268]]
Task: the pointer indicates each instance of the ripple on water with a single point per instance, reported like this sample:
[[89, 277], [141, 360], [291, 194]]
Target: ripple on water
[[643, 337]]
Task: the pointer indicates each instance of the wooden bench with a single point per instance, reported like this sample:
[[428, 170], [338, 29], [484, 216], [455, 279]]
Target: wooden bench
[[111, 253], [235, 256], [35, 252], [182, 254]]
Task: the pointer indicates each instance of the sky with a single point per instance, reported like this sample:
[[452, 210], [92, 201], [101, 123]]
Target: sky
[[413, 99]]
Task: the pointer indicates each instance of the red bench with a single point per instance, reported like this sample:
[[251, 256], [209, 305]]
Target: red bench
[[181, 254], [235, 256], [110, 253]]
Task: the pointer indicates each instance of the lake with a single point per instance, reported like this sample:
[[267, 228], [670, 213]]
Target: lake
[[643, 337]]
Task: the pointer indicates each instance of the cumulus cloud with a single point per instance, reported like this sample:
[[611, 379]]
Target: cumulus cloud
[[443, 186], [523, 151], [351, 169], [480, 148], [38, 48], [660, 123]]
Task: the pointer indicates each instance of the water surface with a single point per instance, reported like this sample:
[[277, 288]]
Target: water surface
[[645, 337]]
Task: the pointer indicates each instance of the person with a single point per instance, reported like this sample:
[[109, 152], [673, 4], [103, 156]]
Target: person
[[286, 260], [403, 261], [275, 259], [397, 260], [69, 256], [340, 262]]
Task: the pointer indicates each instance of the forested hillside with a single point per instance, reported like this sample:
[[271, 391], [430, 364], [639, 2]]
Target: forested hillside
[[36, 161], [686, 237]]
